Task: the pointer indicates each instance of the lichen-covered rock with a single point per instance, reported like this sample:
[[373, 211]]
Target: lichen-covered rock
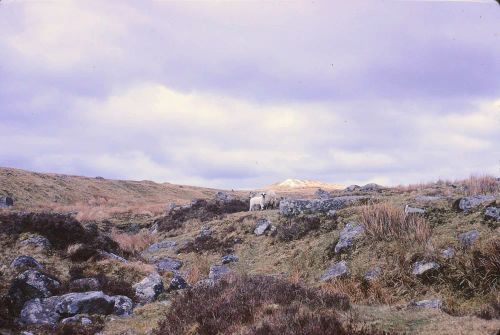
[[372, 274], [467, 239], [431, 303], [492, 213], [148, 289], [223, 196], [229, 259], [29, 285], [25, 262], [36, 241], [322, 194], [371, 187], [352, 188], [290, 207], [168, 264], [178, 283], [336, 270], [81, 319], [123, 305], [6, 202], [347, 236], [428, 198], [414, 210], [468, 203], [218, 271], [166, 244], [261, 227], [51, 310], [448, 252], [421, 267]]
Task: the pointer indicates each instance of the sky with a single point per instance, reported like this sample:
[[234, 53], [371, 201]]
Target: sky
[[241, 94]]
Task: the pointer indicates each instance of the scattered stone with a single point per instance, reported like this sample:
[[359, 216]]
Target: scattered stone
[[148, 289], [84, 284], [467, 239], [431, 303], [322, 194], [154, 229], [373, 274], [347, 235], [223, 197], [229, 259], [6, 202], [25, 262], [468, 203], [448, 252], [78, 319], [168, 264], [29, 285], [336, 270], [492, 213], [218, 271], [178, 283], [110, 255], [273, 231], [371, 187], [166, 244], [420, 268], [290, 207], [413, 210], [331, 213], [352, 188], [205, 283], [428, 198], [205, 231], [51, 310], [37, 241], [123, 305], [262, 225]]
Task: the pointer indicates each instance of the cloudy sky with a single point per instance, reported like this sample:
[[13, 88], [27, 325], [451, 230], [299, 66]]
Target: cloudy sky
[[239, 94]]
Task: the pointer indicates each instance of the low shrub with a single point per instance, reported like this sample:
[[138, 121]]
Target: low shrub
[[209, 243], [239, 305], [475, 185], [298, 227]]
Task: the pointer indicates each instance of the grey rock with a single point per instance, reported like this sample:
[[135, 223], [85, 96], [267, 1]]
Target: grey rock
[[290, 207], [93, 302], [336, 270], [467, 239], [6, 202], [205, 231], [148, 289], [110, 255], [373, 274], [37, 241], [431, 303], [468, 203], [153, 229], [26, 333], [492, 213], [78, 319], [413, 210], [223, 196], [123, 306], [168, 264], [166, 244], [420, 268], [229, 259], [331, 213], [29, 285], [178, 283], [371, 187], [448, 252], [40, 311], [261, 227], [25, 262], [85, 284], [218, 271], [205, 283], [347, 236], [322, 194]]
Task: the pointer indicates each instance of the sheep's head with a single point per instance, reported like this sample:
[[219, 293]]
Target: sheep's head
[[263, 195]]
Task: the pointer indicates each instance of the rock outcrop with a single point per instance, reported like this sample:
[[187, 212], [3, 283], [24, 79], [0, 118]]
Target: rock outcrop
[[290, 207], [25, 262], [336, 270], [468, 203], [347, 236], [148, 289], [262, 225]]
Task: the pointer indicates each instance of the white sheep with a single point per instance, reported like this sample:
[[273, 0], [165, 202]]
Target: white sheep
[[257, 200]]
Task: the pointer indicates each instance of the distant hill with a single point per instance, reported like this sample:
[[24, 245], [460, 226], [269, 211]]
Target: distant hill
[[290, 184]]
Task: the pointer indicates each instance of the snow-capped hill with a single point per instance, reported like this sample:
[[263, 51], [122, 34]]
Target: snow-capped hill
[[301, 183]]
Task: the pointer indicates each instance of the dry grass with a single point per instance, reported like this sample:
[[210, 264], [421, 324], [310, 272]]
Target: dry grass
[[133, 243], [199, 269], [385, 221], [360, 291], [482, 184]]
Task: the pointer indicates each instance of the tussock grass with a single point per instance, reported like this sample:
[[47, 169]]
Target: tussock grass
[[481, 184], [385, 221], [133, 244]]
